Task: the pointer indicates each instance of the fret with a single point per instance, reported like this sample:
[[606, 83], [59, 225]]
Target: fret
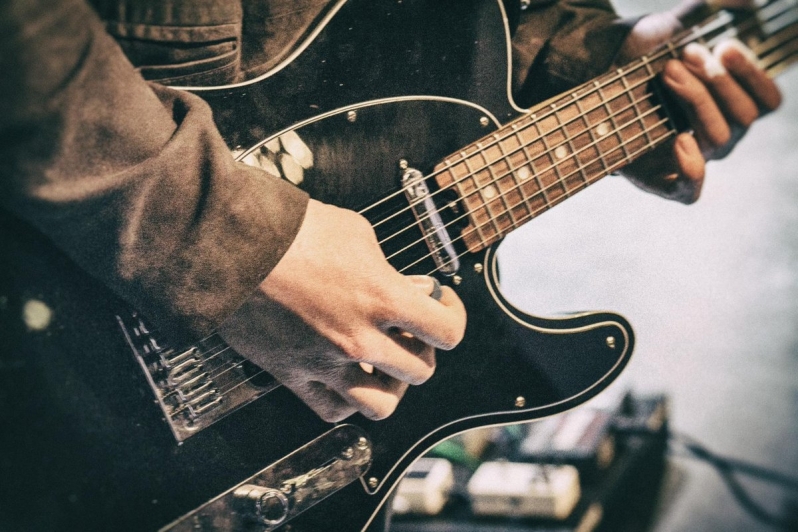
[[480, 193], [672, 50], [595, 135], [540, 192], [502, 192], [637, 110], [517, 185], [542, 187], [572, 132], [550, 167], [613, 121]]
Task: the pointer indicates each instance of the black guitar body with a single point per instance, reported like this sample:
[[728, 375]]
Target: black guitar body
[[83, 447]]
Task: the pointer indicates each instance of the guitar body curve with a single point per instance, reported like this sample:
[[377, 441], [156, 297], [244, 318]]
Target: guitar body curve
[[85, 448]]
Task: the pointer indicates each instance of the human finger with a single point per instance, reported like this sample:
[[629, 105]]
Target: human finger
[[735, 102], [708, 122], [376, 396], [327, 403], [399, 355], [741, 62], [689, 179], [439, 323]]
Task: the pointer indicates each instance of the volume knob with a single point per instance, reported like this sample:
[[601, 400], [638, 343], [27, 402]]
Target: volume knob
[[267, 505]]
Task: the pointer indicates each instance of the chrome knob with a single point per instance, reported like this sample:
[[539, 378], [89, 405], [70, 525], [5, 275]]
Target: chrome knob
[[266, 505]]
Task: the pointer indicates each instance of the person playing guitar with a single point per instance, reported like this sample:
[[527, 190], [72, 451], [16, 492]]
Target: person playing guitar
[[132, 180]]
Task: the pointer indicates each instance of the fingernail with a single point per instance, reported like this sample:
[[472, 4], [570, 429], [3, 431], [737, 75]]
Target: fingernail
[[699, 57], [428, 284]]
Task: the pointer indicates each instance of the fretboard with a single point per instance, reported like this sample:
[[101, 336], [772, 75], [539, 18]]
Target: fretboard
[[560, 147]]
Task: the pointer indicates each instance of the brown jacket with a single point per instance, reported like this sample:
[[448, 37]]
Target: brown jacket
[[132, 180]]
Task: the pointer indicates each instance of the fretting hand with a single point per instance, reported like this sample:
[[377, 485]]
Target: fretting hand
[[332, 307], [722, 91]]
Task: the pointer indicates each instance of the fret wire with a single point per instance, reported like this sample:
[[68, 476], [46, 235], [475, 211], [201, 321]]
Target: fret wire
[[637, 111], [575, 97], [664, 137], [542, 189], [591, 131], [545, 207], [514, 174], [479, 189], [535, 174], [503, 196], [552, 153]]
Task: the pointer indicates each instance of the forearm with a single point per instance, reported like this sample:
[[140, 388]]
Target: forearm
[[132, 181]]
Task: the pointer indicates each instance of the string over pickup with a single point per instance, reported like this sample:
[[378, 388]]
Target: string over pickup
[[429, 220]]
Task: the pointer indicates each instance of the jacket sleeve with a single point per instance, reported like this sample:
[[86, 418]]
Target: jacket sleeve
[[560, 44], [131, 180]]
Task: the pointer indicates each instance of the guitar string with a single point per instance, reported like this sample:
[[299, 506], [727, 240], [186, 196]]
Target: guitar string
[[542, 190], [584, 184], [767, 67], [523, 147], [508, 212], [644, 62], [582, 115], [227, 391], [617, 75], [564, 196]]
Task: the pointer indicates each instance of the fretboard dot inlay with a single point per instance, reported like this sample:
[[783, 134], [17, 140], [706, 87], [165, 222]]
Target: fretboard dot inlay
[[602, 129], [489, 192], [524, 172], [560, 152]]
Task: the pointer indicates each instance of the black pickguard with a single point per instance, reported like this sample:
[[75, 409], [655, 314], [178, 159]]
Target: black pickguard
[[82, 447]]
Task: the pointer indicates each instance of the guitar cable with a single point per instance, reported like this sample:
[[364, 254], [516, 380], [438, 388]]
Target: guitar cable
[[729, 468]]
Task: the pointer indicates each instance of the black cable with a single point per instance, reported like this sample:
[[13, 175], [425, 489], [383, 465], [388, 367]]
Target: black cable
[[728, 468]]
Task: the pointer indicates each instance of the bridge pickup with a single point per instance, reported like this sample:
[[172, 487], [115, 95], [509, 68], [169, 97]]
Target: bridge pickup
[[429, 220]]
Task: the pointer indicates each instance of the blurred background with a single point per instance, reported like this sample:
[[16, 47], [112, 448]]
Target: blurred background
[[712, 292]]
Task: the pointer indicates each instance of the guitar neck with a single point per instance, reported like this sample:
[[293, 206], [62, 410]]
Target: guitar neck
[[562, 146]]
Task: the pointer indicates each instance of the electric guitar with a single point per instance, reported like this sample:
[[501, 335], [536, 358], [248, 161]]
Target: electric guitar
[[401, 111]]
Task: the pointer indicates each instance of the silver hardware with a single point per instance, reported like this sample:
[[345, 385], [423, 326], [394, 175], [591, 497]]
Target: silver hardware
[[429, 219], [403, 164], [457, 280], [478, 268], [484, 122], [348, 453], [268, 506], [373, 482], [351, 116], [186, 383], [287, 488], [611, 342], [520, 401]]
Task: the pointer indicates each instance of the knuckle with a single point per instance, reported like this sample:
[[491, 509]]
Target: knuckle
[[352, 347], [333, 414], [381, 410]]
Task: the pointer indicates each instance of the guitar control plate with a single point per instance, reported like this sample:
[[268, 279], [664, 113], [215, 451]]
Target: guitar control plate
[[286, 488]]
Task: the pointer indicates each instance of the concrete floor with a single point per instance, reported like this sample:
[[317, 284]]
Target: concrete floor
[[712, 291]]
